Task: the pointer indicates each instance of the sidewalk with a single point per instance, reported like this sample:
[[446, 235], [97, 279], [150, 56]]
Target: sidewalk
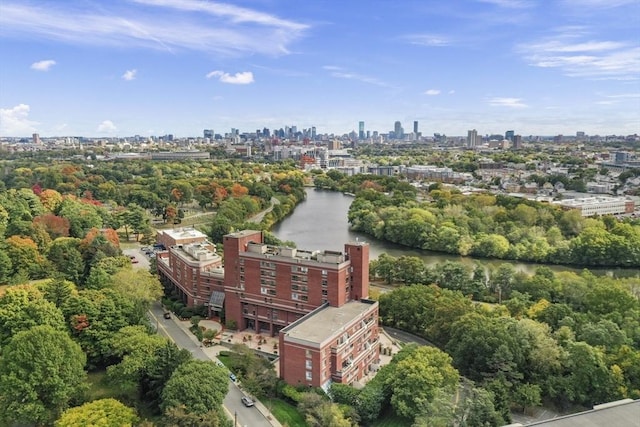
[[213, 351]]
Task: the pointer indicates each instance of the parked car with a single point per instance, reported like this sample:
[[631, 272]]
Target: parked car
[[167, 315], [247, 401], [233, 377]]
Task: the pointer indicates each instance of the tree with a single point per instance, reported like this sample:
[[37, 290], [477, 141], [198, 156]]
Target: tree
[[478, 410], [410, 270], [23, 307], [199, 386], [139, 285], [41, 370], [99, 413], [180, 417], [527, 395], [58, 290], [25, 256], [64, 254], [135, 348], [164, 361], [320, 412], [419, 377]]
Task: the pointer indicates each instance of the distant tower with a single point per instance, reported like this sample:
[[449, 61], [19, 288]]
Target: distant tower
[[517, 142], [36, 138], [208, 133], [472, 138], [360, 130], [509, 135], [415, 127], [397, 130]]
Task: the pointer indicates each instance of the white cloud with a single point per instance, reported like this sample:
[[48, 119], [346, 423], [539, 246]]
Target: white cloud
[[107, 126], [172, 24], [569, 50], [507, 102], [432, 92], [243, 78], [341, 73], [451, 92], [15, 121], [432, 40], [129, 75], [43, 65], [598, 4]]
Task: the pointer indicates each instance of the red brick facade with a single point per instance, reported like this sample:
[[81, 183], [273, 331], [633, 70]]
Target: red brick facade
[[266, 288]]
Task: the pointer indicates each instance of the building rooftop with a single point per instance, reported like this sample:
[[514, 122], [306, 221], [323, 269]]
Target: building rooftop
[[621, 413], [326, 324], [184, 233]]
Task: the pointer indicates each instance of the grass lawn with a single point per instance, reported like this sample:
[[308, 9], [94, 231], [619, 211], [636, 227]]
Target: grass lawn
[[99, 388], [390, 419], [225, 359], [285, 413]]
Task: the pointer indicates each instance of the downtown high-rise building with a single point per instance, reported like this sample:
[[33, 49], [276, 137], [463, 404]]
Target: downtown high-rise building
[[360, 130], [415, 127], [472, 139], [398, 132], [509, 135]]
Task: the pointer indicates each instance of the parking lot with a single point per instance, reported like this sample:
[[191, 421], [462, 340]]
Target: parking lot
[[141, 257]]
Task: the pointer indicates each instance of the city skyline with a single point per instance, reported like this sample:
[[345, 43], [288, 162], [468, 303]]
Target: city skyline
[[153, 67]]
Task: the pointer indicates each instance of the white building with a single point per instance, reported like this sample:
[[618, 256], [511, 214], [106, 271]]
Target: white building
[[590, 206]]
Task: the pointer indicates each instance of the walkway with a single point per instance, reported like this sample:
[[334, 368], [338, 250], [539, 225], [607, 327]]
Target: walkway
[[213, 351]]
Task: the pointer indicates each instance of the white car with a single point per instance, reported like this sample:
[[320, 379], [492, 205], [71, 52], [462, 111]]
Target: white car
[[247, 401]]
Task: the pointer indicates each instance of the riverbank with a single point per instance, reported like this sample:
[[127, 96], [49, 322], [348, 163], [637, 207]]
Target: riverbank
[[321, 222]]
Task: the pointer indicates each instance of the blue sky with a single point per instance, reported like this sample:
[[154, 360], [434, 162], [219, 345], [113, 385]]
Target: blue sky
[[152, 67]]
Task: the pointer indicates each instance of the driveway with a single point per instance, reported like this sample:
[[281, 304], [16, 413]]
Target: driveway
[[143, 260]]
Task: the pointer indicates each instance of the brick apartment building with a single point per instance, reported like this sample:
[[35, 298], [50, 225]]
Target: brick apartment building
[[315, 301]]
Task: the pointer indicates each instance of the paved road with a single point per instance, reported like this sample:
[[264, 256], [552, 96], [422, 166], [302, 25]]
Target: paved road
[[249, 417], [143, 260]]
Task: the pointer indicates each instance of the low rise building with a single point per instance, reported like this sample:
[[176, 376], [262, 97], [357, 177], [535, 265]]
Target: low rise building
[[590, 206]]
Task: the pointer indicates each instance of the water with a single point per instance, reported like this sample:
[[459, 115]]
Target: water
[[320, 222]]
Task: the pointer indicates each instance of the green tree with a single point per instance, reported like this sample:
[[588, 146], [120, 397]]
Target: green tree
[[64, 254], [418, 378], [180, 417], [478, 410], [200, 386], [41, 370], [99, 413], [527, 395], [24, 307]]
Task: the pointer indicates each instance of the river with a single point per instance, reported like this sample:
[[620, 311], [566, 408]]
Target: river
[[320, 222]]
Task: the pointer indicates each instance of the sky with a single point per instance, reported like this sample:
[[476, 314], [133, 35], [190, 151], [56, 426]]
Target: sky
[[118, 68]]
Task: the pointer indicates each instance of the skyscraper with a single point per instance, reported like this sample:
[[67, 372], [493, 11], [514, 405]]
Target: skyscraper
[[472, 138], [509, 135], [397, 130], [360, 130], [517, 142], [415, 127]]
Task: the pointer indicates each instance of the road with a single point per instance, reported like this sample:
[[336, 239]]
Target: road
[[246, 417]]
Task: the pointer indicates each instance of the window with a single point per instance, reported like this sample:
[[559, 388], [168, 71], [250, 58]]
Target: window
[[309, 376], [309, 364], [294, 296], [307, 353], [324, 292], [324, 272]]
